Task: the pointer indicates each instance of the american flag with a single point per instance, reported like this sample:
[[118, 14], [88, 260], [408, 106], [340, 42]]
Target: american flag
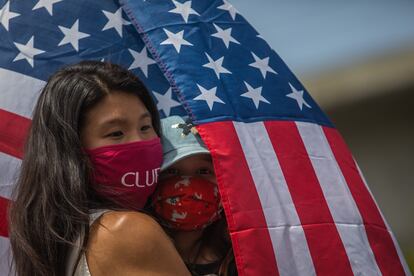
[[295, 200]]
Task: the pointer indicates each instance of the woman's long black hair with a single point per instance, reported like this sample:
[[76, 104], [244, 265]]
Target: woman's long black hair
[[53, 195]]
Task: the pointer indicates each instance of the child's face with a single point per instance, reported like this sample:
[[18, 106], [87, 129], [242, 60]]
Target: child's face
[[188, 203], [199, 165]]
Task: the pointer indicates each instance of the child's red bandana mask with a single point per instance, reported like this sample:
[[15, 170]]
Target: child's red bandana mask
[[187, 203]]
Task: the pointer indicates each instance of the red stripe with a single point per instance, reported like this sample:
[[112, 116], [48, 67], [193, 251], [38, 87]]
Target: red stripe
[[4, 203], [378, 236], [325, 245], [247, 225], [13, 133]]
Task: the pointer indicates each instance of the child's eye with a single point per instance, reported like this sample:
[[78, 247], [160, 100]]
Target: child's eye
[[172, 171], [115, 134], [204, 171]]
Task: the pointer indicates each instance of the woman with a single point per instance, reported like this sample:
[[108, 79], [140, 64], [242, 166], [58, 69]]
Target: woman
[[90, 163]]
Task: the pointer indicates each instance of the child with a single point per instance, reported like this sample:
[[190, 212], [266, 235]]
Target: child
[[188, 204]]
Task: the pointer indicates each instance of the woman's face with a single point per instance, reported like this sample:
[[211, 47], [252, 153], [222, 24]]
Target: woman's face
[[119, 118]]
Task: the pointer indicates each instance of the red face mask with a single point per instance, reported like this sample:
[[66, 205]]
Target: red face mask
[[126, 174], [187, 203]]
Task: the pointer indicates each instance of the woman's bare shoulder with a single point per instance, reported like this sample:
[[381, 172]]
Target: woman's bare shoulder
[[131, 232], [127, 222], [129, 242]]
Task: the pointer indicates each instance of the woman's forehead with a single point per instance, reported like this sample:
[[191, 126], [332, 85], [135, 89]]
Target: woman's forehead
[[116, 107]]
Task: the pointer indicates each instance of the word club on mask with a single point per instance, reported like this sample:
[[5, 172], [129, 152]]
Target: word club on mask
[[131, 179]]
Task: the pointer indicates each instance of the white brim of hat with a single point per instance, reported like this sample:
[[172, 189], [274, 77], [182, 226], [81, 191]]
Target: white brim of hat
[[180, 153]]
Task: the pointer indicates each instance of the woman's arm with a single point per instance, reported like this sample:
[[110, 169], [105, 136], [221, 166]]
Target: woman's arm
[[131, 243]]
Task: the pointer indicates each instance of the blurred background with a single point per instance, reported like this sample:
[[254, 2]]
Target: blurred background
[[356, 58]]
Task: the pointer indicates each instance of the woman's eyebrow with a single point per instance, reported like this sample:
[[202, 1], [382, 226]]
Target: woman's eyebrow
[[113, 121], [144, 115], [120, 120]]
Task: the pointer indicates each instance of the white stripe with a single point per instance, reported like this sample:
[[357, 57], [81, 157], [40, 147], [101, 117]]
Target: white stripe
[[341, 204], [9, 169], [5, 257], [286, 232], [399, 252], [18, 92]]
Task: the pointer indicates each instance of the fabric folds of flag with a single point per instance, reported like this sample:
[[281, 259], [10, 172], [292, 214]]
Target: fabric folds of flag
[[295, 200]]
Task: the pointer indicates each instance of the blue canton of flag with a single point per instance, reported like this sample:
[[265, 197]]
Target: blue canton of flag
[[207, 39], [39, 37]]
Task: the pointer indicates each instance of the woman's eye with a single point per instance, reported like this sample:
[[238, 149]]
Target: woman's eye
[[146, 127], [115, 134]]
